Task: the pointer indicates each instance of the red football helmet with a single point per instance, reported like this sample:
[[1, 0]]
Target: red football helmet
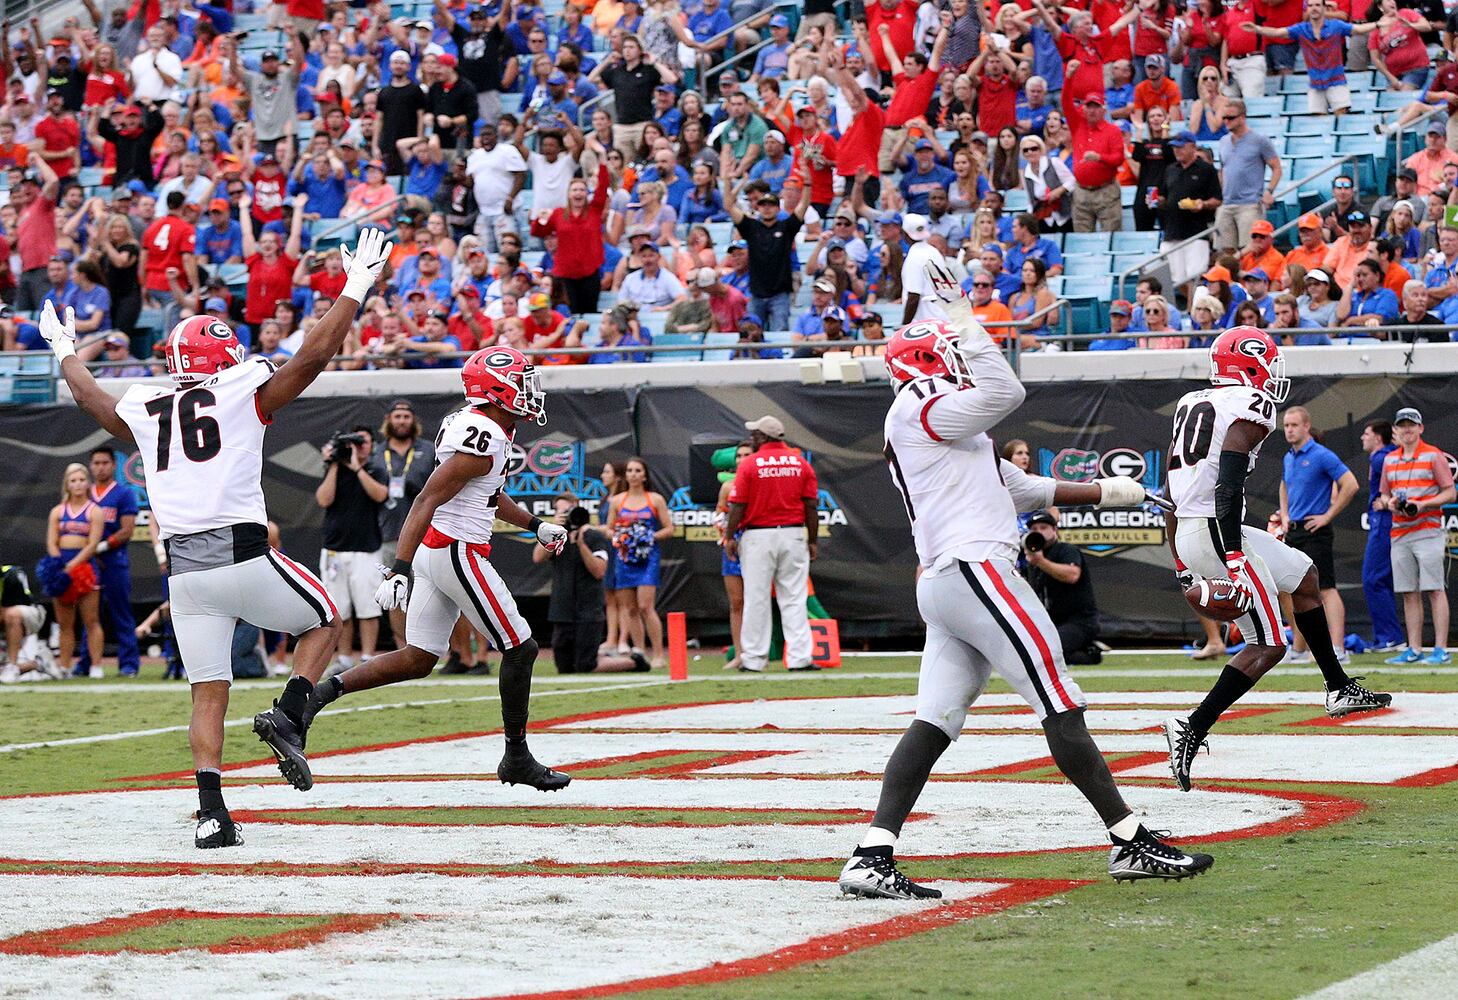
[[927, 348], [504, 377], [1246, 355], [200, 347]]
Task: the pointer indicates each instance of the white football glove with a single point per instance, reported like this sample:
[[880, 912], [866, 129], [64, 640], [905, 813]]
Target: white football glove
[[393, 593], [363, 266], [552, 536], [944, 283], [1119, 491], [61, 336]]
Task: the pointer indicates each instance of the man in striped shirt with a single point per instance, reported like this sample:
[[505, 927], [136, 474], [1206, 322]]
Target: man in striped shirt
[[1416, 483]]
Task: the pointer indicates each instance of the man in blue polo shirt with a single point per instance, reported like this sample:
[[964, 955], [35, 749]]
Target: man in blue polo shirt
[[1387, 632], [1308, 508], [220, 241], [118, 503], [1027, 244], [923, 176]]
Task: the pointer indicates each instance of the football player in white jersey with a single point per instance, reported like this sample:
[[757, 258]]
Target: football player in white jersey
[[1218, 433], [445, 543], [201, 443], [952, 386]]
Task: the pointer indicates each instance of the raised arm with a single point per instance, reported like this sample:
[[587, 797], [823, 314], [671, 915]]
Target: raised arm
[[94, 401], [362, 270]]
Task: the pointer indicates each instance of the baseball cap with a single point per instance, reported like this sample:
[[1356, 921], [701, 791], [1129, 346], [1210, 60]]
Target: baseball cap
[[993, 248], [640, 230], [422, 23], [767, 198], [833, 312], [776, 134], [771, 427], [650, 245], [981, 137], [1154, 59], [779, 21], [401, 404], [706, 277], [215, 304], [889, 219], [414, 292], [1043, 517], [120, 339], [404, 219], [1185, 138], [428, 252], [138, 186], [270, 54], [1309, 221], [666, 88], [557, 79], [376, 165], [1404, 203], [1262, 227], [1408, 413], [804, 110], [1096, 98], [824, 285], [916, 226], [739, 245], [922, 144], [753, 319], [1407, 174], [1317, 274], [439, 314], [1354, 218], [218, 205], [446, 59], [1217, 273], [1437, 128], [1255, 274], [1121, 307], [401, 55], [538, 300], [836, 243], [55, 92]]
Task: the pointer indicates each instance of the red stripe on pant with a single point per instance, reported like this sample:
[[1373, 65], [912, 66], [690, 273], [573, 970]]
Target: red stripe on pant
[[1047, 654], [490, 597], [1278, 637], [310, 579]]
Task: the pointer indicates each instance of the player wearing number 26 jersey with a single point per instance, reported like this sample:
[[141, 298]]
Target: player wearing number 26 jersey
[[952, 387], [443, 568], [1217, 437], [201, 444]]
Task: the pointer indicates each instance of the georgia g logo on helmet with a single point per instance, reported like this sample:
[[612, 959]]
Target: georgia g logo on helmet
[[1252, 347]]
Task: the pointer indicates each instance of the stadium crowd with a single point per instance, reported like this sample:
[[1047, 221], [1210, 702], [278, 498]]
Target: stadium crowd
[[771, 174]]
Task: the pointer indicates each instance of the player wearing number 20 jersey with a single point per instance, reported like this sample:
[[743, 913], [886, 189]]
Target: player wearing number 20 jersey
[[1218, 432]]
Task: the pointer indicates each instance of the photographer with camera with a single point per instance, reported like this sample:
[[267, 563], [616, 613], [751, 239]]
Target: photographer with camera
[[1058, 574], [576, 608], [352, 493]]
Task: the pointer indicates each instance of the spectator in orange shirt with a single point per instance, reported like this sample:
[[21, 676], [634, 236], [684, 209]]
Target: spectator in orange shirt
[[1156, 90], [1429, 161], [1394, 275], [987, 310], [1346, 253], [1311, 252], [1261, 254]]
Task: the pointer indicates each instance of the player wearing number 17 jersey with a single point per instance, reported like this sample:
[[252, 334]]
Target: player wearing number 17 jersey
[[953, 386], [1218, 433], [201, 444]]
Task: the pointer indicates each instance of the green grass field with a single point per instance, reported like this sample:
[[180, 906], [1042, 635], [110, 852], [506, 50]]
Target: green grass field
[[1279, 916]]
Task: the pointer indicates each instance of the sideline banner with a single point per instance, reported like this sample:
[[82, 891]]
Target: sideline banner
[[865, 572]]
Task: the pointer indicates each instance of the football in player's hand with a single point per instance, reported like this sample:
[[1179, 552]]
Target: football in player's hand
[[1219, 600]]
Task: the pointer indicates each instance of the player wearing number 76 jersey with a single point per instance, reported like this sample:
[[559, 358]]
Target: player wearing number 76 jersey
[[1218, 433], [201, 443], [953, 386]]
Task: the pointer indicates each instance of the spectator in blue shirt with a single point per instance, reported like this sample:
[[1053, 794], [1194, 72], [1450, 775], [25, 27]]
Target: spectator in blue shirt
[[1033, 107], [1257, 285], [703, 202], [773, 61], [1367, 302], [527, 18], [90, 298], [220, 240], [557, 104], [774, 166], [736, 260], [712, 37], [430, 338], [1289, 318], [665, 110], [425, 164], [1120, 313], [1028, 244], [58, 273], [809, 323], [321, 177], [1004, 283], [925, 176], [1309, 504], [666, 170]]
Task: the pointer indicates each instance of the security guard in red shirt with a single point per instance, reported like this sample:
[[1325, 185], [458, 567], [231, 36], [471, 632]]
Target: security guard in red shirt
[[775, 502]]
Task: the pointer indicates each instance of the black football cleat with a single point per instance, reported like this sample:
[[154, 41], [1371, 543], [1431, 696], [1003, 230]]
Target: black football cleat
[[1148, 856], [216, 828], [325, 693], [519, 767], [278, 731], [871, 873], [1353, 697], [1184, 743]]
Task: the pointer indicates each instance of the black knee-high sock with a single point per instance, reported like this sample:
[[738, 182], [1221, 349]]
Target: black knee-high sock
[[1079, 759], [906, 773], [209, 790], [1229, 688], [515, 685], [1316, 631], [295, 696]]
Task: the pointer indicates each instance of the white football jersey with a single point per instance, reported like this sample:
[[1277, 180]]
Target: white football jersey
[[469, 515], [202, 449], [1202, 419], [947, 470]]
